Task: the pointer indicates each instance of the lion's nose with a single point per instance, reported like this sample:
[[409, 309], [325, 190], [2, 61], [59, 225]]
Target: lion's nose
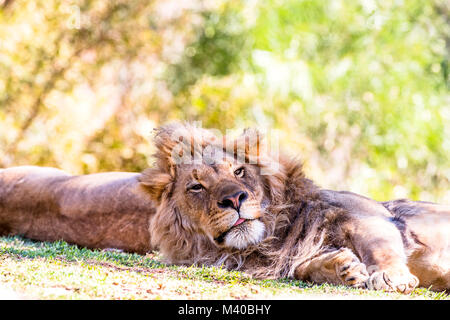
[[233, 201]]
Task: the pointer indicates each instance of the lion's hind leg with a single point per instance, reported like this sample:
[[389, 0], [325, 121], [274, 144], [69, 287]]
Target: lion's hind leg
[[339, 266]]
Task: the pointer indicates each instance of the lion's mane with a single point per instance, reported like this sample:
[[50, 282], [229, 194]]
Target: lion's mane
[[294, 216]]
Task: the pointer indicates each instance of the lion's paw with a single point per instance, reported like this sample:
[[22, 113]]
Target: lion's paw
[[354, 274], [399, 282]]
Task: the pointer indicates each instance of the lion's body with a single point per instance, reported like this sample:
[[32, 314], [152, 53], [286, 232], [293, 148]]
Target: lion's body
[[228, 213], [398, 233], [107, 210]]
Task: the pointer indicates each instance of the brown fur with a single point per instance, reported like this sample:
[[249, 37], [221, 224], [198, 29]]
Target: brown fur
[[291, 227], [107, 210]]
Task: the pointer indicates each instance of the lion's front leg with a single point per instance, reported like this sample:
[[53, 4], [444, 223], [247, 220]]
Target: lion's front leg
[[375, 239], [340, 266], [379, 244]]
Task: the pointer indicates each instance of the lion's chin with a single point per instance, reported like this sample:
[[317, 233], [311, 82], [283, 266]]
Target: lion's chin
[[246, 234]]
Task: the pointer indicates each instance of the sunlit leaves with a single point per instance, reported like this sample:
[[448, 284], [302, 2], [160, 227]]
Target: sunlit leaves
[[360, 89]]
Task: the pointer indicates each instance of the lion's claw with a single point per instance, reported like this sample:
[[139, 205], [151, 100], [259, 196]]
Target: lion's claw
[[401, 282], [354, 274]]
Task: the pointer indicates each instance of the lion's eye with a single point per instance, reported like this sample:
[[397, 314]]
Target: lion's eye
[[239, 172], [196, 187]]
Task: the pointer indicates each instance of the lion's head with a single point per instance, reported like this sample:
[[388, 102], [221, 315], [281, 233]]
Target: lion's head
[[223, 201], [211, 193]]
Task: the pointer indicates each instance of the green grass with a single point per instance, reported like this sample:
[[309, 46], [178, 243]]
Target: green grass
[[57, 270]]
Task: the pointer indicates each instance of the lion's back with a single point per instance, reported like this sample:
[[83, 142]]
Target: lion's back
[[105, 210], [18, 184]]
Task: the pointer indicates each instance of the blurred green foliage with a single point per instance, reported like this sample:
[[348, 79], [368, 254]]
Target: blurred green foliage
[[359, 89]]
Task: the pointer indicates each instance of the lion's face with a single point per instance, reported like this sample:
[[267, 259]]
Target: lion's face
[[224, 201], [218, 195]]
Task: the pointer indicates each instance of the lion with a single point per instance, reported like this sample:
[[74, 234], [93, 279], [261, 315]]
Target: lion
[[218, 201]]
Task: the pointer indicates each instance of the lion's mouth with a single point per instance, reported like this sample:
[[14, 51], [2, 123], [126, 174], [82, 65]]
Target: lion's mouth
[[220, 239], [239, 221]]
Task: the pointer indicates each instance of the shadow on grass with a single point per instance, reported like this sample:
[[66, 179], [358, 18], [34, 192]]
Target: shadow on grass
[[26, 248], [121, 261], [61, 250]]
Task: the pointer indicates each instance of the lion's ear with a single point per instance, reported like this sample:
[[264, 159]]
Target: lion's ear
[[165, 142], [179, 142], [155, 182]]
